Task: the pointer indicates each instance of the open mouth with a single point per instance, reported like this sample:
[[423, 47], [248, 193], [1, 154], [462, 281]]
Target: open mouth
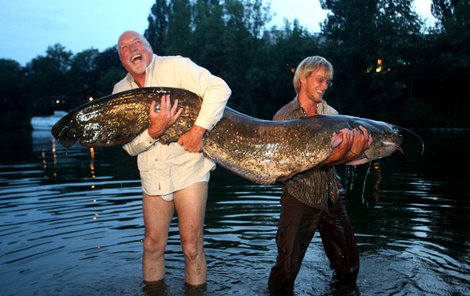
[[136, 58]]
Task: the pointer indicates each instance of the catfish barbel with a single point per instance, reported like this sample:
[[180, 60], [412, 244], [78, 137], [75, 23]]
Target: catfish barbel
[[262, 151]]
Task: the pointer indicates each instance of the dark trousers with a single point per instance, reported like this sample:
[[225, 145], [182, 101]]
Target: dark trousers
[[297, 225]]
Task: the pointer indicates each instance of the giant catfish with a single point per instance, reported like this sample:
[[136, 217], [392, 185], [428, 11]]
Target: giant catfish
[[262, 151]]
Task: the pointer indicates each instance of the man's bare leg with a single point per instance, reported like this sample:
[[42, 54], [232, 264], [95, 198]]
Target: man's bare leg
[[190, 205], [157, 218]]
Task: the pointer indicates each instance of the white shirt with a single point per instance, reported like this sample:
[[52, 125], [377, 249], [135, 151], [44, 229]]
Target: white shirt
[[167, 168]]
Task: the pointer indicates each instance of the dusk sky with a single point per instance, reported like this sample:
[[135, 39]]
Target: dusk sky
[[29, 27]]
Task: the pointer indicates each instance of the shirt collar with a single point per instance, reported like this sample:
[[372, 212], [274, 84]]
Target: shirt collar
[[296, 108], [321, 107]]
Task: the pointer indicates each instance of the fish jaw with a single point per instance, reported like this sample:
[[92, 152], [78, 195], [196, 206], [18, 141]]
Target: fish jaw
[[368, 156]]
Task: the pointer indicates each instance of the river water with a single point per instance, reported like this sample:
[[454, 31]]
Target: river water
[[71, 224]]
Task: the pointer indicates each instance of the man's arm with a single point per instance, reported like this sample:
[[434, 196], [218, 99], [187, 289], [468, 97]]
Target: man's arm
[[215, 93]]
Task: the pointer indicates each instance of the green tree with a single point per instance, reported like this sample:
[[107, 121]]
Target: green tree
[[179, 36], [12, 98], [243, 54], [46, 81], [108, 71], [83, 77], [448, 67], [371, 44], [451, 14], [257, 16], [386, 66], [208, 25], [157, 30], [289, 46], [350, 44]]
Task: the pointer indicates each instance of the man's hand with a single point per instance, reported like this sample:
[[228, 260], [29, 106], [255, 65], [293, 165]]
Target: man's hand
[[349, 145], [362, 141], [191, 141], [341, 143], [163, 119]]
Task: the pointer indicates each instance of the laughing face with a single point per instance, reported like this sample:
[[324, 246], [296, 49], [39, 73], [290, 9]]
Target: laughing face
[[315, 84], [135, 53]]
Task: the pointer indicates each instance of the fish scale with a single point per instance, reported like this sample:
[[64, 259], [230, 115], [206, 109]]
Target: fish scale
[[262, 151]]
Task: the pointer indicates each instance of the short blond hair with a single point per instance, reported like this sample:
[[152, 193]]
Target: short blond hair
[[309, 65]]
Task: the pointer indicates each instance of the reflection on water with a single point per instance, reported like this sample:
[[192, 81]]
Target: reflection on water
[[71, 224]]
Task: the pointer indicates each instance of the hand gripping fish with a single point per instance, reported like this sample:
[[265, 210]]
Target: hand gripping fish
[[261, 151]]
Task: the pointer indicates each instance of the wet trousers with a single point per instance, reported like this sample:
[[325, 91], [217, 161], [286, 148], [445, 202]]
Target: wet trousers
[[297, 225]]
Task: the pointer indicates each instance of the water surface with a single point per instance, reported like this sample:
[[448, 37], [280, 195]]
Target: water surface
[[71, 224]]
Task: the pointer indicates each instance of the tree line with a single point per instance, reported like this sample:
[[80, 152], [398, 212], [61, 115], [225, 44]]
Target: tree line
[[389, 65]]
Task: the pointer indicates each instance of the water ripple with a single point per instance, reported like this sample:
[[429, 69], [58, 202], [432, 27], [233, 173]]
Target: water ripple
[[71, 224]]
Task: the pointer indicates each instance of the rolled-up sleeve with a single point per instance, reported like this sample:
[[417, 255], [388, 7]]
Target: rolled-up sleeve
[[139, 144], [214, 91]]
